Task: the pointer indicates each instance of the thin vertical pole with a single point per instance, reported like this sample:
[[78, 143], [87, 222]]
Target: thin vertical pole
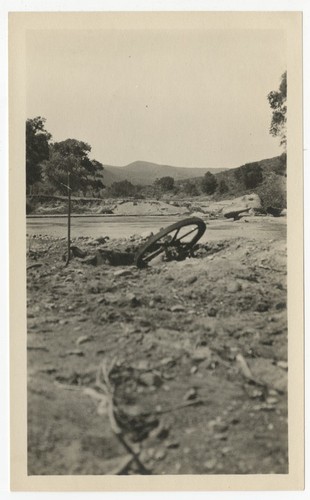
[[69, 220]]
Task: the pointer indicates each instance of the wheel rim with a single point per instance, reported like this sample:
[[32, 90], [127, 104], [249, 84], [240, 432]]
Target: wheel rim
[[174, 242]]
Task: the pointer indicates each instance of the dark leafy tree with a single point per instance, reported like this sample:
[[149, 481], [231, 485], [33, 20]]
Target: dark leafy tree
[[277, 102], [72, 157], [251, 175], [222, 186], [209, 183], [165, 183], [37, 149], [190, 188], [122, 188]]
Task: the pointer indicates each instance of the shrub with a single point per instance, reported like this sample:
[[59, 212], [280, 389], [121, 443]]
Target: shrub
[[273, 192], [223, 188], [251, 175], [165, 183], [209, 183]]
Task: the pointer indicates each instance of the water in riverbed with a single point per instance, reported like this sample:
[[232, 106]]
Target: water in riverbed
[[120, 227]]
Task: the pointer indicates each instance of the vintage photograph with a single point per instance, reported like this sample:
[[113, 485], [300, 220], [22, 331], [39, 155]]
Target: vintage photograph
[[156, 249]]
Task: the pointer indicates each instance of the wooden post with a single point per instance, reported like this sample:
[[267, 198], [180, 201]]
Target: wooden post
[[69, 219]]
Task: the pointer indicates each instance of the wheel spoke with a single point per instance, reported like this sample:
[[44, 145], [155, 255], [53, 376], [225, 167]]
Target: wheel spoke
[[151, 256], [189, 232], [176, 233]]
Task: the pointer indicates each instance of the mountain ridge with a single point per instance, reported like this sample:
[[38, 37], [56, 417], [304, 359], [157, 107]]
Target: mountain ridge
[[145, 173]]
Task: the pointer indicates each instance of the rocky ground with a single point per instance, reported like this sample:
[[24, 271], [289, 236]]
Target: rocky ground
[[180, 368]]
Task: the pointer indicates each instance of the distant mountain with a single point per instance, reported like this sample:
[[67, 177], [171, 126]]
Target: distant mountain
[[145, 173]]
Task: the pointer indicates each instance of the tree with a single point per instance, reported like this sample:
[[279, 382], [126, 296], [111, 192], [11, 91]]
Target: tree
[[209, 183], [277, 102], [122, 188], [251, 175], [190, 188], [37, 149], [71, 156], [223, 188], [165, 183]]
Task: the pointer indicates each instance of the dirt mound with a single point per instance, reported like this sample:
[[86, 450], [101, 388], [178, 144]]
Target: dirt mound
[[148, 208]]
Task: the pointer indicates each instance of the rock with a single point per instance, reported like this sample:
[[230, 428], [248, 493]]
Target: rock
[[47, 369], [74, 352], [83, 339], [172, 445], [210, 464], [233, 287], [212, 312], [166, 361], [150, 379], [132, 300], [282, 364], [274, 376], [190, 394], [94, 287], [177, 308], [122, 272], [143, 365], [77, 252], [221, 427], [191, 280], [102, 239], [160, 454], [262, 307], [271, 401], [160, 432], [201, 353], [91, 260]]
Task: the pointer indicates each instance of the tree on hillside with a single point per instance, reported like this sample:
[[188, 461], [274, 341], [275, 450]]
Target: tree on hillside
[[277, 102], [72, 156], [122, 188], [165, 183], [37, 149], [190, 188], [250, 174], [222, 187], [209, 183]]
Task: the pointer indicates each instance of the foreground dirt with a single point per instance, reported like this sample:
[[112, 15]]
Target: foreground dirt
[[180, 368]]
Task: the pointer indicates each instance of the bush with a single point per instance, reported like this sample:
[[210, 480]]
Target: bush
[[209, 183], [122, 188], [165, 183], [223, 188], [190, 189], [273, 192], [251, 175]]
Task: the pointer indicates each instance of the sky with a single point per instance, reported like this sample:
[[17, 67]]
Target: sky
[[188, 98]]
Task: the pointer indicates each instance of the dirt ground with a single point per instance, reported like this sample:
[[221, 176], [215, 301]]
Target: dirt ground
[[179, 368]]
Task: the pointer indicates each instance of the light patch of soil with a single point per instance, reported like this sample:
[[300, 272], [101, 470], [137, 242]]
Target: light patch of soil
[[148, 208]]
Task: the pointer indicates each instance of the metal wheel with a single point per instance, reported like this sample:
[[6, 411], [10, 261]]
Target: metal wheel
[[174, 242]]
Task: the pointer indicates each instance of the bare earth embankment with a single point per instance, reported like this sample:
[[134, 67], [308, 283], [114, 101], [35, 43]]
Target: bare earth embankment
[[191, 356]]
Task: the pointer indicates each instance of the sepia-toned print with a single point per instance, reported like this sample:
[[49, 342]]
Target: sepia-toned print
[[156, 190]]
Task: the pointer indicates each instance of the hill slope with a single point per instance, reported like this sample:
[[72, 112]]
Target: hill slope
[[145, 173]]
